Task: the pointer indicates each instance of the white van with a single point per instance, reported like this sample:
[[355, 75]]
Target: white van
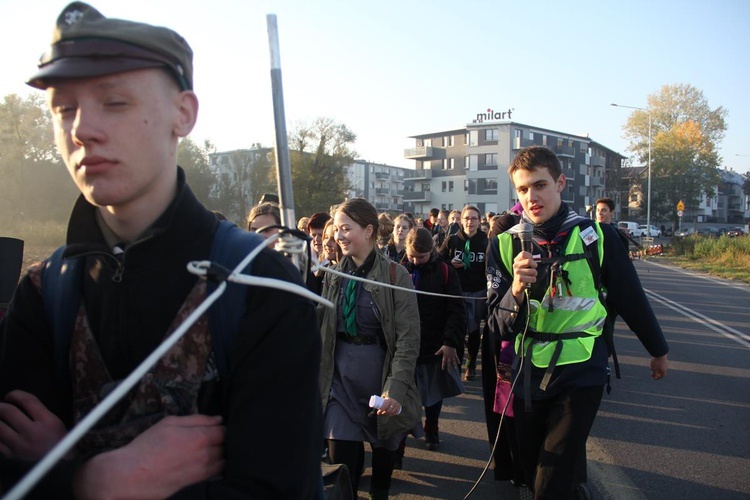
[[631, 227]]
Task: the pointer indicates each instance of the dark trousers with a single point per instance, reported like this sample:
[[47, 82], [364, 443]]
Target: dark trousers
[[506, 461], [431, 416], [352, 454], [552, 440]]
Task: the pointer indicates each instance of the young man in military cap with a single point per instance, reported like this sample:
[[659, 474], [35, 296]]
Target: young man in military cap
[[548, 301], [120, 94]]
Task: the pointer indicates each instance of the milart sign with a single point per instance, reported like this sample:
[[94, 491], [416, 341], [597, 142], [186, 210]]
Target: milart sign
[[491, 115]]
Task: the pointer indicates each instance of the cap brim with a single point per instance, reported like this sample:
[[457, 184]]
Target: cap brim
[[86, 67]]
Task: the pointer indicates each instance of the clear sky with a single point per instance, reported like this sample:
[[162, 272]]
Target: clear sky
[[392, 69]]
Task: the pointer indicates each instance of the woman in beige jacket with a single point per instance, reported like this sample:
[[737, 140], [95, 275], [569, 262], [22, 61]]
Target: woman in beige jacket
[[370, 347]]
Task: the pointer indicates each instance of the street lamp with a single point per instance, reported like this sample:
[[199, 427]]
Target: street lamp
[[648, 196]]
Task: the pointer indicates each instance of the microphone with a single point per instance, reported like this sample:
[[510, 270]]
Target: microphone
[[525, 233]]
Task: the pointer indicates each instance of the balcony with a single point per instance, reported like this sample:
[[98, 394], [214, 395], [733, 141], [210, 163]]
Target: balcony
[[382, 206], [382, 176], [568, 151], [597, 181], [522, 142], [598, 161], [382, 191], [420, 174], [418, 196], [424, 153]]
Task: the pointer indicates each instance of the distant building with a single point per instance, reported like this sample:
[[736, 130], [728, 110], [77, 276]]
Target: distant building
[[730, 205], [380, 184], [470, 166]]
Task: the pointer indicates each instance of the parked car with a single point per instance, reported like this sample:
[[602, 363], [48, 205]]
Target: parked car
[[655, 231], [682, 233], [736, 231], [708, 232], [632, 228]]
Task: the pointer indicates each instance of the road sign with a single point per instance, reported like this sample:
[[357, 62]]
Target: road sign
[[680, 213], [680, 205]]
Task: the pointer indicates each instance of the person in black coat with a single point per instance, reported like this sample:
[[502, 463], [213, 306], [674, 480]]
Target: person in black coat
[[442, 323]]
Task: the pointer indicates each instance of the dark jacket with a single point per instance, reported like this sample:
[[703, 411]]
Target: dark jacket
[[624, 293], [442, 319], [472, 279], [269, 402]]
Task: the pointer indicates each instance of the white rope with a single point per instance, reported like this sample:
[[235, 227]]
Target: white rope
[[388, 285], [199, 268]]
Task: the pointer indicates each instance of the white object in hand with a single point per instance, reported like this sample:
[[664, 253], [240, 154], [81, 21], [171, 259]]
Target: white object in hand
[[376, 402]]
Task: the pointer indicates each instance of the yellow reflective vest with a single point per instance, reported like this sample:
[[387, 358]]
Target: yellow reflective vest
[[577, 311]]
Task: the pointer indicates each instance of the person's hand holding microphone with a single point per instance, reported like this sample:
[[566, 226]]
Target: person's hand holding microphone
[[524, 265]]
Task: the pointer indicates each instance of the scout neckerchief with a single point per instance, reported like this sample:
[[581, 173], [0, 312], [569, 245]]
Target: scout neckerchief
[[349, 310]]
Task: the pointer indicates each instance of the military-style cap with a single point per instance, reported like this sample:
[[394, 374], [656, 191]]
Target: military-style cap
[[87, 44]]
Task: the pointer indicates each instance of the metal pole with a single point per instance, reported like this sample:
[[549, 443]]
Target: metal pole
[[283, 168], [648, 200]]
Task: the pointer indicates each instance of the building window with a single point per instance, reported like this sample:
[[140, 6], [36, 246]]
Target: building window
[[490, 134], [448, 141], [473, 161], [531, 136], [466, 184], [544, 140], [466, 139], [444, 186], [473, 137], [490, 159], [466, 163], [450, 163], [517, 133], [450, 186], [425, 186]]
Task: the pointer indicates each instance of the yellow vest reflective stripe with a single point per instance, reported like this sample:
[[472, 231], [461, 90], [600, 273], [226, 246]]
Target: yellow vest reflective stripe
[[581, 311]]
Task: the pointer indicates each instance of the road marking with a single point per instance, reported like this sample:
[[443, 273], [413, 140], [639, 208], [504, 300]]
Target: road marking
[[692, 273], [727, 331], [610, 481]]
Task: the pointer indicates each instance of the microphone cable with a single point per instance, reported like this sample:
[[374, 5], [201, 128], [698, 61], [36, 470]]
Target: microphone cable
[[507, 402], [204, 269]]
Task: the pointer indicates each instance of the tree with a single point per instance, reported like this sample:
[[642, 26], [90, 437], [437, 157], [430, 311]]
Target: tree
[[685, 137], [319, 155], [194, 160], [33, 182], [243, 176]]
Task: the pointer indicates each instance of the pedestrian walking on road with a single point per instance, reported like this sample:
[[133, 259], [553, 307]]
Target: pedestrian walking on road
[[370, 347], [549, 302], [442, 329]]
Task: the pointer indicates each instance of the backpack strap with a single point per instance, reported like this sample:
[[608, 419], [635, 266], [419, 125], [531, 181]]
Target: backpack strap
[[230, 245], [62, 282], [393, 272], [592, 257]]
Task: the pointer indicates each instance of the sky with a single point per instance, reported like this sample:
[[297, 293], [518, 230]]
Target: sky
[[389, 70]]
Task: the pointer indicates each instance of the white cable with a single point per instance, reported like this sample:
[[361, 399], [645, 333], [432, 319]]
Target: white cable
[[79, 430], [70, 439], [507, 401], [395, 287]]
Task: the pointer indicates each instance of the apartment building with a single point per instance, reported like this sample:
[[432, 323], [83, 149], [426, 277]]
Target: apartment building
[[469, 166], [380, 184]]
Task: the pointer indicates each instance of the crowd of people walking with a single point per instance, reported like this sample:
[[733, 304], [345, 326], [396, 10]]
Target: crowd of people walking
[[245, 400]]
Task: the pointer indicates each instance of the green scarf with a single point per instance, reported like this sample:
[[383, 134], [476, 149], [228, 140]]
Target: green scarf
[[467, 254], [350, 307]]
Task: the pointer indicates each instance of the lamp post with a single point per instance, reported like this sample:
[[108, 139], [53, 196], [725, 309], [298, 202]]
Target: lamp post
[[648, 195]]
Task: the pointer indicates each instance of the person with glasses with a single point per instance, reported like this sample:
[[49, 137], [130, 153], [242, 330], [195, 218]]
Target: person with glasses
[[465, 251]]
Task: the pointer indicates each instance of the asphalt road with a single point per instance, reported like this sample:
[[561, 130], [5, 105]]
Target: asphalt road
[[684, 437]]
